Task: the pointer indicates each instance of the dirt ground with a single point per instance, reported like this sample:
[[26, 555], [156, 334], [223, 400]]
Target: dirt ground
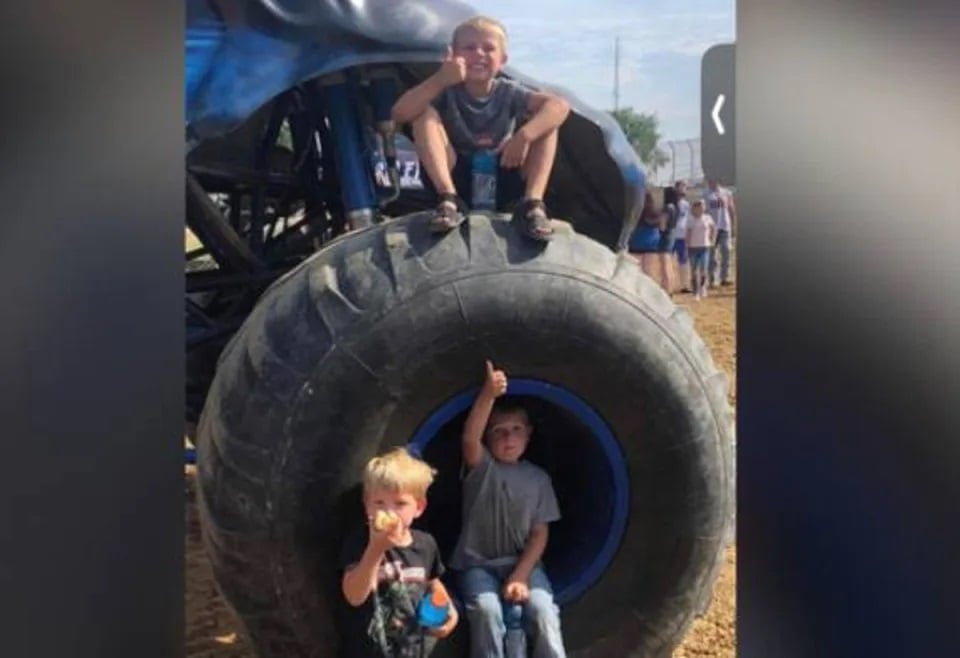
[[213, 632]]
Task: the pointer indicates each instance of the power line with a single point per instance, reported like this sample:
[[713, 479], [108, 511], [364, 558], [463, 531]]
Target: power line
[[616, 73]]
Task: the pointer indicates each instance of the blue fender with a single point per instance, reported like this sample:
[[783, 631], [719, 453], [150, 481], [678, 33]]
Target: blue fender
[[235, 63]]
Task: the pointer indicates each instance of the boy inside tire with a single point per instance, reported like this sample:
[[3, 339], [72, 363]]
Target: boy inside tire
[[508, 504]]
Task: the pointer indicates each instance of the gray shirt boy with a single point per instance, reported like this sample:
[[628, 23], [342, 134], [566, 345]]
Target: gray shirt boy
[[501, 504], [481, 123]]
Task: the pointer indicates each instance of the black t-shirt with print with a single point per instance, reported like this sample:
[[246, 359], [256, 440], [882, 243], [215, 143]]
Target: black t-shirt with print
[[388, 618]]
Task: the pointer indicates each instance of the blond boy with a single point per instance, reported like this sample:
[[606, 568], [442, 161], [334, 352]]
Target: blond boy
[[389, 567], [465, 107]]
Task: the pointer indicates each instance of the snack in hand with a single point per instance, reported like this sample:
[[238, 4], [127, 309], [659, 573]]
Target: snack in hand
[[385, 520]]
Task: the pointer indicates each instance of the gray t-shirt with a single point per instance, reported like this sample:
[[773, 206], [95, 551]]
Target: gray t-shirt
[[501, 504], [481, 123]]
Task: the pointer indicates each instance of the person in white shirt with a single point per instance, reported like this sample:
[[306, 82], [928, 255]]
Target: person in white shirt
[[701, 232], [680, 255], [719, 204]]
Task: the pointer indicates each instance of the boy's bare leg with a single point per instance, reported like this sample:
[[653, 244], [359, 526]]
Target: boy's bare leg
[[438, 158], [536, 174], [433, 148], [539, 164]]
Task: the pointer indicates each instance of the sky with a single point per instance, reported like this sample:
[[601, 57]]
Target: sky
[[570, 43]]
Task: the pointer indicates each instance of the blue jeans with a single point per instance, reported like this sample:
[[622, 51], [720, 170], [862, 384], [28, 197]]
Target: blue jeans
[[481, 587], [700, 260], [680, 249], [723, 244]]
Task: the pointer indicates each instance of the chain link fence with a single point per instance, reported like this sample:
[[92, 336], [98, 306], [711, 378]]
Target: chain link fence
[[681, 161]]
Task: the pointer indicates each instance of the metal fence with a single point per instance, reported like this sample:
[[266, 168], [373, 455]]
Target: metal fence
[[683, 162]]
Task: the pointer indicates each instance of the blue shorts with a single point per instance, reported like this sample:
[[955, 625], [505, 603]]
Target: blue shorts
[[699, 257], [645, 239], [680, 249]]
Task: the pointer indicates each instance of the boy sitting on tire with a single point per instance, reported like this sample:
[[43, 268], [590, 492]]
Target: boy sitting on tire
[[507, 506], [464, 108], [389, 568]]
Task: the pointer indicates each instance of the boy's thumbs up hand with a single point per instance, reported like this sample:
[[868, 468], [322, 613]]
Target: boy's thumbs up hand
[[495, 384], [453, 70]]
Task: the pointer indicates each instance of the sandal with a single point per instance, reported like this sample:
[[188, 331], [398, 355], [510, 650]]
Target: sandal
[[531, 218], [447, 215]]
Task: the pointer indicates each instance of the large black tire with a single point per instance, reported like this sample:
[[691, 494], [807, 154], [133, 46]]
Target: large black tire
[[349, 353]]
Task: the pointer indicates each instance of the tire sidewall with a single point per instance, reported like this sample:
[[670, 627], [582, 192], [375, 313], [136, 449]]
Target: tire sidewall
[[412, 343], [418, 368]]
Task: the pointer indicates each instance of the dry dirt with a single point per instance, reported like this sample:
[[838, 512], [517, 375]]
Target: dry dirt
[[213, 632]]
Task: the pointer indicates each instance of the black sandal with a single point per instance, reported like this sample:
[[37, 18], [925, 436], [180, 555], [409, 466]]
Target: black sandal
[[447, 215], [531, 217]]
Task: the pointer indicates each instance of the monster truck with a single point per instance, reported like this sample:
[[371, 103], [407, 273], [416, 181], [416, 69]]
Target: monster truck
[[325, 324]]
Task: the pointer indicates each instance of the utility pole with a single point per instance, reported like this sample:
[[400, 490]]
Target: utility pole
[[616, 74]]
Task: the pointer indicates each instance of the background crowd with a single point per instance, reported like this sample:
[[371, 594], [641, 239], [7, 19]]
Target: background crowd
[[684, 241]]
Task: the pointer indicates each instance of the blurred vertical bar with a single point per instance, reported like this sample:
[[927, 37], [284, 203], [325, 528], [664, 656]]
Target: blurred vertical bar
[[848, 317], [91, 256]]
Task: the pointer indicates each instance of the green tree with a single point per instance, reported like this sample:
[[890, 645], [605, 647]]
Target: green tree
[[643, 133]]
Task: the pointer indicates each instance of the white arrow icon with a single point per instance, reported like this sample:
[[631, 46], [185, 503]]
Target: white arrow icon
[[715, 115]]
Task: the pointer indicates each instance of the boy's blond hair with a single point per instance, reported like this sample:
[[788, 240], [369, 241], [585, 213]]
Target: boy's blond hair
[[482, 24], [400, 472]]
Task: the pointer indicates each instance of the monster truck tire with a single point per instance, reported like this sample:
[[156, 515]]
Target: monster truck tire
[[351, 353]]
